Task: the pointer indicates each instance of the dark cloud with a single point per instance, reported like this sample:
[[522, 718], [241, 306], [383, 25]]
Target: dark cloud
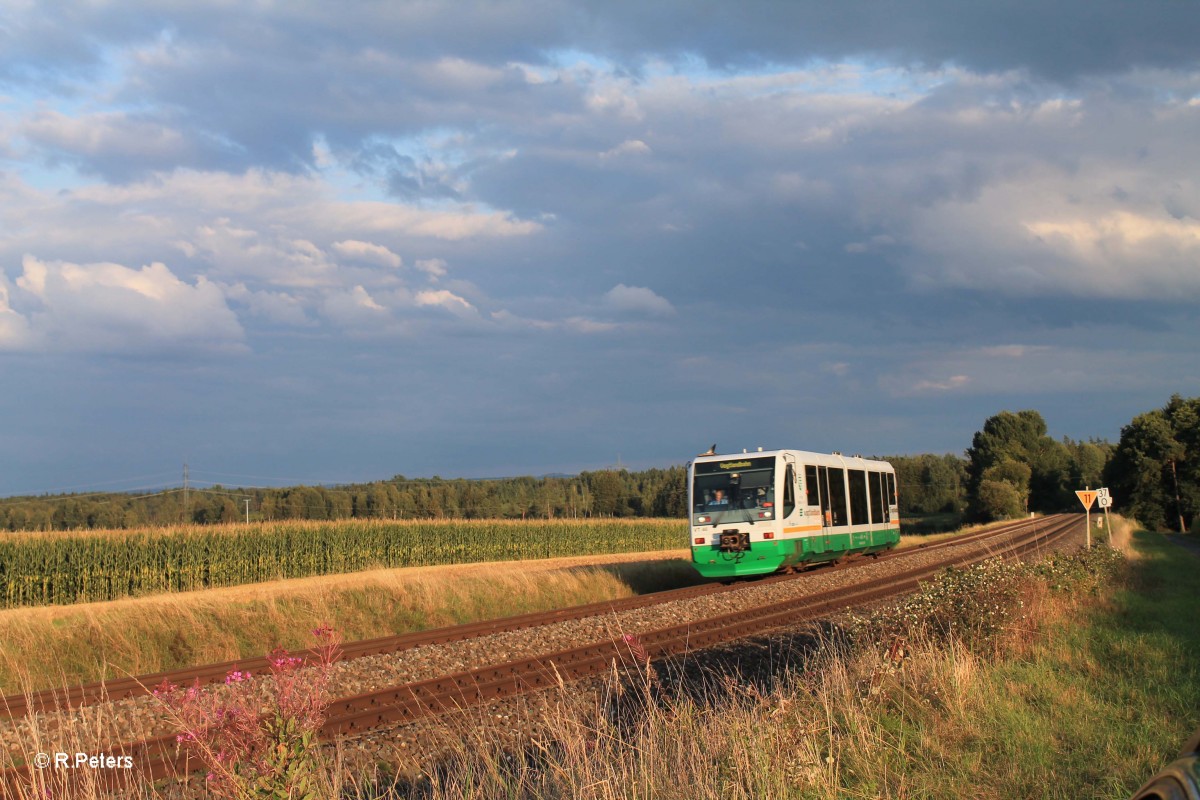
[[526, 237], [1061, 39]]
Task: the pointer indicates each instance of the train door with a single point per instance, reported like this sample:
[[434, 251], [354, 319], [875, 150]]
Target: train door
[[789, 487], [823, 483], [833, 496], [891, 496], [812, 486], [880, 512]]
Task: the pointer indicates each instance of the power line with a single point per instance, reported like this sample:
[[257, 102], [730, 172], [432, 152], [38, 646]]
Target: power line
[[67, 497]]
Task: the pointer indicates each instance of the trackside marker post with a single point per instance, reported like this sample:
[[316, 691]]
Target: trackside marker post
[[1087, 497], [1104, 500]]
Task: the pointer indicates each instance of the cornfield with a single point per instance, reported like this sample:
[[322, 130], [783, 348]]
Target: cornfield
[[61, 568]]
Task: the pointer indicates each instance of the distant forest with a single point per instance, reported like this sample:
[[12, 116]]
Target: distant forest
[[1012, 467], [607, 493]]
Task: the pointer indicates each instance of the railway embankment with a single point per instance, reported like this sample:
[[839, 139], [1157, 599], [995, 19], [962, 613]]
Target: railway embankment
[[1072, 677], [913, 698]]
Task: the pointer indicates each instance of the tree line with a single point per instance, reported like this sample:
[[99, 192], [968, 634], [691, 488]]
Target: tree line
[[605, 493], [1012, 467]]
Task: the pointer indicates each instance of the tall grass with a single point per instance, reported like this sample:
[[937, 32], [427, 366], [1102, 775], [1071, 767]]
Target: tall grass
[[60, 568], [1079, 677], [64, 645]]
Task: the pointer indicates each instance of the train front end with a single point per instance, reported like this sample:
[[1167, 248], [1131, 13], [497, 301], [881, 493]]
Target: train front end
[[735, 516]]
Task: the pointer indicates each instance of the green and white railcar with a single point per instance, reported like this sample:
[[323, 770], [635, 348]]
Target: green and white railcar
[[760, 512]]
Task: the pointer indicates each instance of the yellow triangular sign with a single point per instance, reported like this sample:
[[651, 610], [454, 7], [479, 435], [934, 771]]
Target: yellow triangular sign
[[1086, 496]]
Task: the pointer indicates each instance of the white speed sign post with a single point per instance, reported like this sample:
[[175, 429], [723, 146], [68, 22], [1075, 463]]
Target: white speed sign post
[[1087, 497], [1104, 500]]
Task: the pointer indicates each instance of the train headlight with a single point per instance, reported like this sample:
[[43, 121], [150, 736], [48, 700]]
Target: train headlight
[[704, 519], [764, 515]]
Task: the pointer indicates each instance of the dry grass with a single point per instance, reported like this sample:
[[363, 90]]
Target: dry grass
[[918, 540], [64, 645], [1075, 692], [1121, 535]]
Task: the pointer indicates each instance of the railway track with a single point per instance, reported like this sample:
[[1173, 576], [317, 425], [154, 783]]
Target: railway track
[[159, 757], [18, 705]]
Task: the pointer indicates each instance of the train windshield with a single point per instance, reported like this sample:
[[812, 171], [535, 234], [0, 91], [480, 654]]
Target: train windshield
[[737, 490]]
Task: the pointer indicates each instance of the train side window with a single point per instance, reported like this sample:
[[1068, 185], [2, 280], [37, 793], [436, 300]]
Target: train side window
[[837, 495], [789, 491], [814, 491], [859, 508], [878, 507], [891, 481]]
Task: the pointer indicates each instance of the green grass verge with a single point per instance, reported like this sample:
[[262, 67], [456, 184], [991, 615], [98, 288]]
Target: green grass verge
[[1090, 704]]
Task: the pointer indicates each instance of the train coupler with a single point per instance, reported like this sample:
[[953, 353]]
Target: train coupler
[[734, 541]]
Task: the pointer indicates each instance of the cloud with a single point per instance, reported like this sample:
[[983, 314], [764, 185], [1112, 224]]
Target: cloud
[[14, 328], [435, 268], [116, 144], [355, 308], [629, 147], [637, 300], [589, 326], [277, 307], [953, 382], [447, 300], [370, 253], [107, 307], [1065, 243], [1012, 350]]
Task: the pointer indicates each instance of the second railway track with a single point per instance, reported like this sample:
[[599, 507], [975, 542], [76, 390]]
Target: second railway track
[[18, 705], [159, 756]]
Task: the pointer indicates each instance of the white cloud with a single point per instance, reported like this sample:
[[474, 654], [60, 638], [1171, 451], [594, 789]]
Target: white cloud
[[462, 222], [637, 300], [355, 308], [953, 382], [446, 299], [368, 252], [1041, 236], [107, 307], [435, 268], [109, 136], [585, 325], [629, 147], [14, 328]]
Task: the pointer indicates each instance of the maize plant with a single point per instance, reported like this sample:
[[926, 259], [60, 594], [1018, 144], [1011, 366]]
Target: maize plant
[[60, 568]]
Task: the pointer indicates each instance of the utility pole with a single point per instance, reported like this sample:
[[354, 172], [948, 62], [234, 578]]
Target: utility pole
[[185, 493], [247, 510]]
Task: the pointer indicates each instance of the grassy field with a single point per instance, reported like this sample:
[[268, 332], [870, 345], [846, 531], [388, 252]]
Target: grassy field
[[64, 645]]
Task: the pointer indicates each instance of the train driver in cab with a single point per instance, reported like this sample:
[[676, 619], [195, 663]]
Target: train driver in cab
[[719, 499]]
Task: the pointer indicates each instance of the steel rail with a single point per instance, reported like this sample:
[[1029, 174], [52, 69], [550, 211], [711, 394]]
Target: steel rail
[[162, 756], [19, 705]]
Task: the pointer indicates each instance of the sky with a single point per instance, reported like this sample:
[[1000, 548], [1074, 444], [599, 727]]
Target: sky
[[301, 242]]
